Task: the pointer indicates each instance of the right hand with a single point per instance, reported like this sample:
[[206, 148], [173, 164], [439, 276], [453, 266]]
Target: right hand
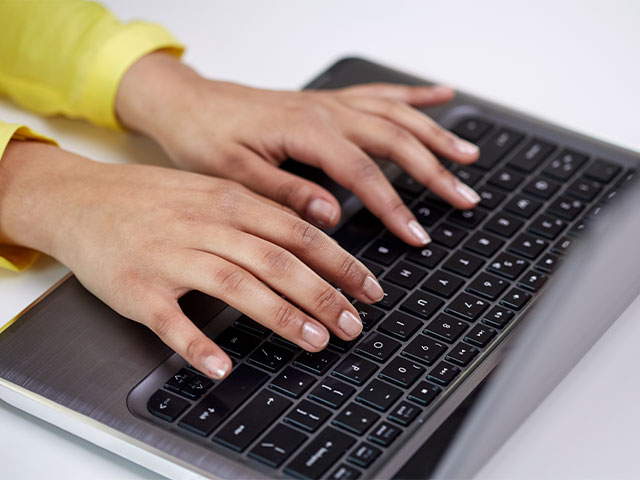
[[140, 237]]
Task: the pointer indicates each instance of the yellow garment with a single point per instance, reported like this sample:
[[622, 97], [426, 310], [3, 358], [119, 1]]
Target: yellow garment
[[66, 57]]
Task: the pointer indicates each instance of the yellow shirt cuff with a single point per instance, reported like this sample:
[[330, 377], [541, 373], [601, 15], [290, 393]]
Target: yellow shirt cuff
[[12, 257]]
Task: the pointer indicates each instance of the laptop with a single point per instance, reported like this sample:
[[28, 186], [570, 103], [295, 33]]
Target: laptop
[[414, 396]]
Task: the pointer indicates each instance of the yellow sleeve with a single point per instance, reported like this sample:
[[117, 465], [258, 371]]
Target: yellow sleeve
[[68, 56], [12, 257]]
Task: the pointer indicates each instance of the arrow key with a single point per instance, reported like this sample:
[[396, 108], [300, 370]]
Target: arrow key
[[166, 406]]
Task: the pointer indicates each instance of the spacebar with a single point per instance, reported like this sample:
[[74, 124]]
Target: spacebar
[[215, 407]]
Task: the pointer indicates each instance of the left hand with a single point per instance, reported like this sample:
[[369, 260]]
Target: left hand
[[243, 134]]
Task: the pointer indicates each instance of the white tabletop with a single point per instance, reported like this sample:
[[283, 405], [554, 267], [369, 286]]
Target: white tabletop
[[574, 63]]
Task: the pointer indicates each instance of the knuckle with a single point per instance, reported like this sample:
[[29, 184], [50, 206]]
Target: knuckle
[[227, 198], [193, 348], [305, 235], [290, 193], [350, 270], [367, 170], [229, 280], [161, 323], [278, 261], [326, 300], [285, 315]]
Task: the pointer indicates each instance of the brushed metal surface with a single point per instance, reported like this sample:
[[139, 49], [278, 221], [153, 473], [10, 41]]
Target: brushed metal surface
[[73, 350]]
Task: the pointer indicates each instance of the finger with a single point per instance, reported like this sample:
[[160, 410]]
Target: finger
[[422, 96], [421, 126], [349, 166], [308, 199], [178, 332], [222, 279], [383, 138], [284, 272]]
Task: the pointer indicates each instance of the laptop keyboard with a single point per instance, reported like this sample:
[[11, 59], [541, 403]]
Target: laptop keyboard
[[333, 413]]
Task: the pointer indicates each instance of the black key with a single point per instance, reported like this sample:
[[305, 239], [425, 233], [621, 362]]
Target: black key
[[364, 454], [497, 147], [308, 416], [547, 263], [463, 263], [578, 228], [379, 395], [196, 387], [424, 349], [179, 380], [498, 317], [377, 347], [531, 155], [523, 206], [401, 372], [448, 235], [532, 280], [292, 382], [516, 299], [490, 197], [316, 362], [488, 286], [462, 354], [332, 392], [405, 274], [409, 185], [399, 325], [384, 434], [442, 283], [358, 231], [373, 267], [527, 245], [566, 208], [427, 214], [484, 244], [320, 455], [355, 419], [236, 342], [251, 326], [471, 128], [445, 327], [392, 295], [424, 393], [506, 179], [275, 338], [277, 445], [508, 266], [503, 224], [355, 369], [467, 306], [602, 171], [468, 175], [480, 335], [563, 245], [369, 315], [594, 212], [341, 345], [166, 406], [383, 251], [223, 400], [270, 356], [252, 420], [542, 188], [404, 414], [345, 472], [467, 218], [565, 164], [428, 256], [443, 373], [422, 305], [584, 189], [547, 226]]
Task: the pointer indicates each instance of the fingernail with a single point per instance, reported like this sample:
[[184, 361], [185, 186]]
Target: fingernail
[[215, 367], [314, 335], [467, 192], [322, 212], [418, 232], [372, 289], [465, 147], [349, 323]]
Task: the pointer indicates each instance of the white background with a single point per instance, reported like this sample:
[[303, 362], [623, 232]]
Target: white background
[[573, 62]]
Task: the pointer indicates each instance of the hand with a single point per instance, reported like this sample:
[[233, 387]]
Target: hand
[[244, 134], [140, 237]]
